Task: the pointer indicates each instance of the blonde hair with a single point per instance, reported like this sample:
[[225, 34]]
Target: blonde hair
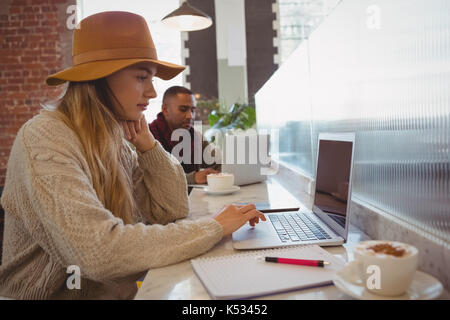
[[86, 108]]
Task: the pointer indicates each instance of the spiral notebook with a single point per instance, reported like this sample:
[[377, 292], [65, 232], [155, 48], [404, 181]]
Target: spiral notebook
[[241, 275]]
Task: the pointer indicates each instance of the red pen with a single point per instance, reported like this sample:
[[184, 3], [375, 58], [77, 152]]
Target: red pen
[[299, 262]]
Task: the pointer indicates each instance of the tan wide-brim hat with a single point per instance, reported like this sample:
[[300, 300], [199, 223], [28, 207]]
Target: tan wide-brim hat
[[107, 42]]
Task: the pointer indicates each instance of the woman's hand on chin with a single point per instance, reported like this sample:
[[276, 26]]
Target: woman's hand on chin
[[138, 133]]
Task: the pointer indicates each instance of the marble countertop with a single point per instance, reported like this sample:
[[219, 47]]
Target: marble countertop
[[179, 281]]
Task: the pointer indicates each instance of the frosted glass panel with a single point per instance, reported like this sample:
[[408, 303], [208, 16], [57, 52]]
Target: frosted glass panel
[[382, 70], [284, 104]]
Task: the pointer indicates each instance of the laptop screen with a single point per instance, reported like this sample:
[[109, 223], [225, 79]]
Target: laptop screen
[[334, 163]]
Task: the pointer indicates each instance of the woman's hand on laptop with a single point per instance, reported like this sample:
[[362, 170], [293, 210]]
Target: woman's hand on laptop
[[233, 217]]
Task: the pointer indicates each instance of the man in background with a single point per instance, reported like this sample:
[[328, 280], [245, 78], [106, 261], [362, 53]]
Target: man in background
[[178, 112]]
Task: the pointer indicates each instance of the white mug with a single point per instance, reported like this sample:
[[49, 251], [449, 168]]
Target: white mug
[[385, 268], [220, 181]]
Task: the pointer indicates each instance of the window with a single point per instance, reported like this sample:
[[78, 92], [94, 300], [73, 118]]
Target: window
[[373, 69]]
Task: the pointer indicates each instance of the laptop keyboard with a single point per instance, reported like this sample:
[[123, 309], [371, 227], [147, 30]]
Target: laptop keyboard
[[297, 227]]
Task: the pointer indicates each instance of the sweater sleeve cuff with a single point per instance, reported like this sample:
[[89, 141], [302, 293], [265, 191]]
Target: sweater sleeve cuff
[[214, 227], [190, 177]]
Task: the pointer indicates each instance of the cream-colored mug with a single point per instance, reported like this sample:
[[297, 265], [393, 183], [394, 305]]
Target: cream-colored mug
[[220, 181], [385, 267]]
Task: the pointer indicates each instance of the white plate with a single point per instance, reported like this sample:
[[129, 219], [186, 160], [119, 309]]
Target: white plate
[[423, 287], [222, 191]]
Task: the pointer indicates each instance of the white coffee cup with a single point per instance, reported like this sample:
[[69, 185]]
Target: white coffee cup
[[385, 268], [220, 181]]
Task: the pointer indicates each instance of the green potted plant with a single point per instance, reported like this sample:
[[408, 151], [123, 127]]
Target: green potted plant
[[240, 116]]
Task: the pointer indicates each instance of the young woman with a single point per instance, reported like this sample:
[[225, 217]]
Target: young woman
[[88, 186]]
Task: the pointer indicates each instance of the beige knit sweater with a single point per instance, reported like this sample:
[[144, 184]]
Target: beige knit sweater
[[53, 219]]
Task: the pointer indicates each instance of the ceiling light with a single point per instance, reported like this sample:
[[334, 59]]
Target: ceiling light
[[187, 18]]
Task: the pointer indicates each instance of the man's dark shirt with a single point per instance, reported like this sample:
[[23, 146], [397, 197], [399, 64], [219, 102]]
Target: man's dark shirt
[[161, 131]]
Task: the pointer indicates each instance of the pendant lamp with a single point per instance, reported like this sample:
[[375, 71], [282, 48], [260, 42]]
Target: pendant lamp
[[187, 18]]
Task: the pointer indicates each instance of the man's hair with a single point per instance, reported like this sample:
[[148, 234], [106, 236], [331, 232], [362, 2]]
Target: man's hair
[[173, 91]]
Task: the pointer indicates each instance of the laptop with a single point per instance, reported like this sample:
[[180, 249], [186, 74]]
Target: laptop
[[328, 221], [246, 157]]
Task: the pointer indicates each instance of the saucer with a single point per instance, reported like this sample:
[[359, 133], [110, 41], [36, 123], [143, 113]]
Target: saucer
[[423, 287], [222, 191]]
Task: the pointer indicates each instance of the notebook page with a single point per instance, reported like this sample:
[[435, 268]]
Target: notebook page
[[242, 275]]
